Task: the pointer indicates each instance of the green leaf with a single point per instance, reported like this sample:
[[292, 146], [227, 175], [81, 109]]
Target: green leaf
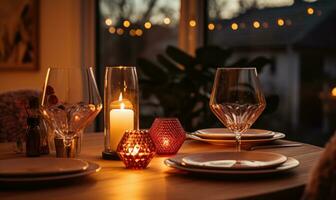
[[180, 56], [242, 62], [168, 64], [212, 56], [152, 71], [259, 63]]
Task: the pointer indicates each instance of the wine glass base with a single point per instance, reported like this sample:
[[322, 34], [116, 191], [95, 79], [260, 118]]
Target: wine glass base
[[110, 155]]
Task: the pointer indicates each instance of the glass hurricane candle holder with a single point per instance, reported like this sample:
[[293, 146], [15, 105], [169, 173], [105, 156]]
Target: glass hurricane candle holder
[[136, 149], [121, 106], [168, 135]]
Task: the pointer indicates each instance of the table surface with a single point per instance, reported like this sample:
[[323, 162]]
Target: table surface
[[161, 182]]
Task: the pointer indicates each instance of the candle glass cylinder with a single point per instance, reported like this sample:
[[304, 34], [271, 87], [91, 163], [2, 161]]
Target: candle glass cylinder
[[168, 135], [136, 149], [121, 106]]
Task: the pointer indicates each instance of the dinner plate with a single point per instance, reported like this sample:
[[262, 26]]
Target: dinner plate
[[234, 160], [41, 166], [226, 134], [92, 168], [251, 142], [175, 162]]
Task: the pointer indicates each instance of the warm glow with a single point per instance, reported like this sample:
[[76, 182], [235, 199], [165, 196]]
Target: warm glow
[[333, 92], [148, 25], [234, 26], [77, 118], [256, 24], [134, 151], [138, 32], [211, 26], [112, 30], [310, 11], [281, 22], [127, 23], [120, 31], [108, 22], [165, 142], [120, 97], [132, 32], [192, 23], [166, 20]]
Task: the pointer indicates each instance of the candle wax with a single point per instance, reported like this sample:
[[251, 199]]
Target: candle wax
[[120, 121]]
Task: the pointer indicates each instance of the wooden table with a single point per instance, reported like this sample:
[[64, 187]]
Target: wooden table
[[161, 182]]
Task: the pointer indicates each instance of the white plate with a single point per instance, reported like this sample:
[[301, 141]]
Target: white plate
[[175, 162], [234, 160], [41, 166], [245, 143], [226, 134], [92, 168]]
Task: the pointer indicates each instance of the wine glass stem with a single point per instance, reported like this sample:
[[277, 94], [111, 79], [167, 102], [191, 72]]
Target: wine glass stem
[[238, 141]]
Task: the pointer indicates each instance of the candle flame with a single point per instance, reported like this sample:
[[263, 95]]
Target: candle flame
[[120, 97], [122, 106], [135, 150], [165, 142]]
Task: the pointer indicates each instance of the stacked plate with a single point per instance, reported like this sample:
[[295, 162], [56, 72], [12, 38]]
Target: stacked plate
[[222, 136], [234, 163], [23, 170]]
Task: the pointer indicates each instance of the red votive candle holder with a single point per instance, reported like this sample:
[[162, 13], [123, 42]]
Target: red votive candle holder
[[168, 135], [136, 149]]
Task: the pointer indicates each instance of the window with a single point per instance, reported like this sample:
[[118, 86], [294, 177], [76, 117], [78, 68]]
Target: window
[[299, 38], [296, 37]]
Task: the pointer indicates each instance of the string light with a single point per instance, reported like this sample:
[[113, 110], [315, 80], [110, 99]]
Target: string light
[[192, 23], [211, 26], [333, 92], [132, 32], [147, 25], [265, 24], [126, 23], [138, 32], [108, 22], [281, 22], [256, 24], [234, 26], [310, 11], [120, 31], [166, 20], [112, 30]]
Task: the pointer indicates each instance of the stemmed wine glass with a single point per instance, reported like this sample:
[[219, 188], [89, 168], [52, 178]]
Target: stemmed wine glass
[[236, 99], [70, 100]]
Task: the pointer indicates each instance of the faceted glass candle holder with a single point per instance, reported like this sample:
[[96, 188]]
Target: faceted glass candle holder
[[168, 135], [136, 149]]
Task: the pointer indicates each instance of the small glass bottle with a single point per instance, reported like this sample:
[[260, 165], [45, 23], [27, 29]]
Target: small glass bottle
[[33, 137]]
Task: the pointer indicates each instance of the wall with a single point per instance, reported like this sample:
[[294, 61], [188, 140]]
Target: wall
[[59, 43]]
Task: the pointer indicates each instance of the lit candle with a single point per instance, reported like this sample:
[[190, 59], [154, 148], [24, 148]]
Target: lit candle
[[121, 119]]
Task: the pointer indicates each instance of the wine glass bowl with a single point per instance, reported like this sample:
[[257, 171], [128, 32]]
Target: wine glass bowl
[[236, 99], [70, 101]]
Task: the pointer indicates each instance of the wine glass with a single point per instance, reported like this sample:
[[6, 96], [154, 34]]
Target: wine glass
[[70, 101], [236, 99]]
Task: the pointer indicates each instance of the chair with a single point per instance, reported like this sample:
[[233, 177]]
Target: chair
[[322, 184], [13, 115]]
